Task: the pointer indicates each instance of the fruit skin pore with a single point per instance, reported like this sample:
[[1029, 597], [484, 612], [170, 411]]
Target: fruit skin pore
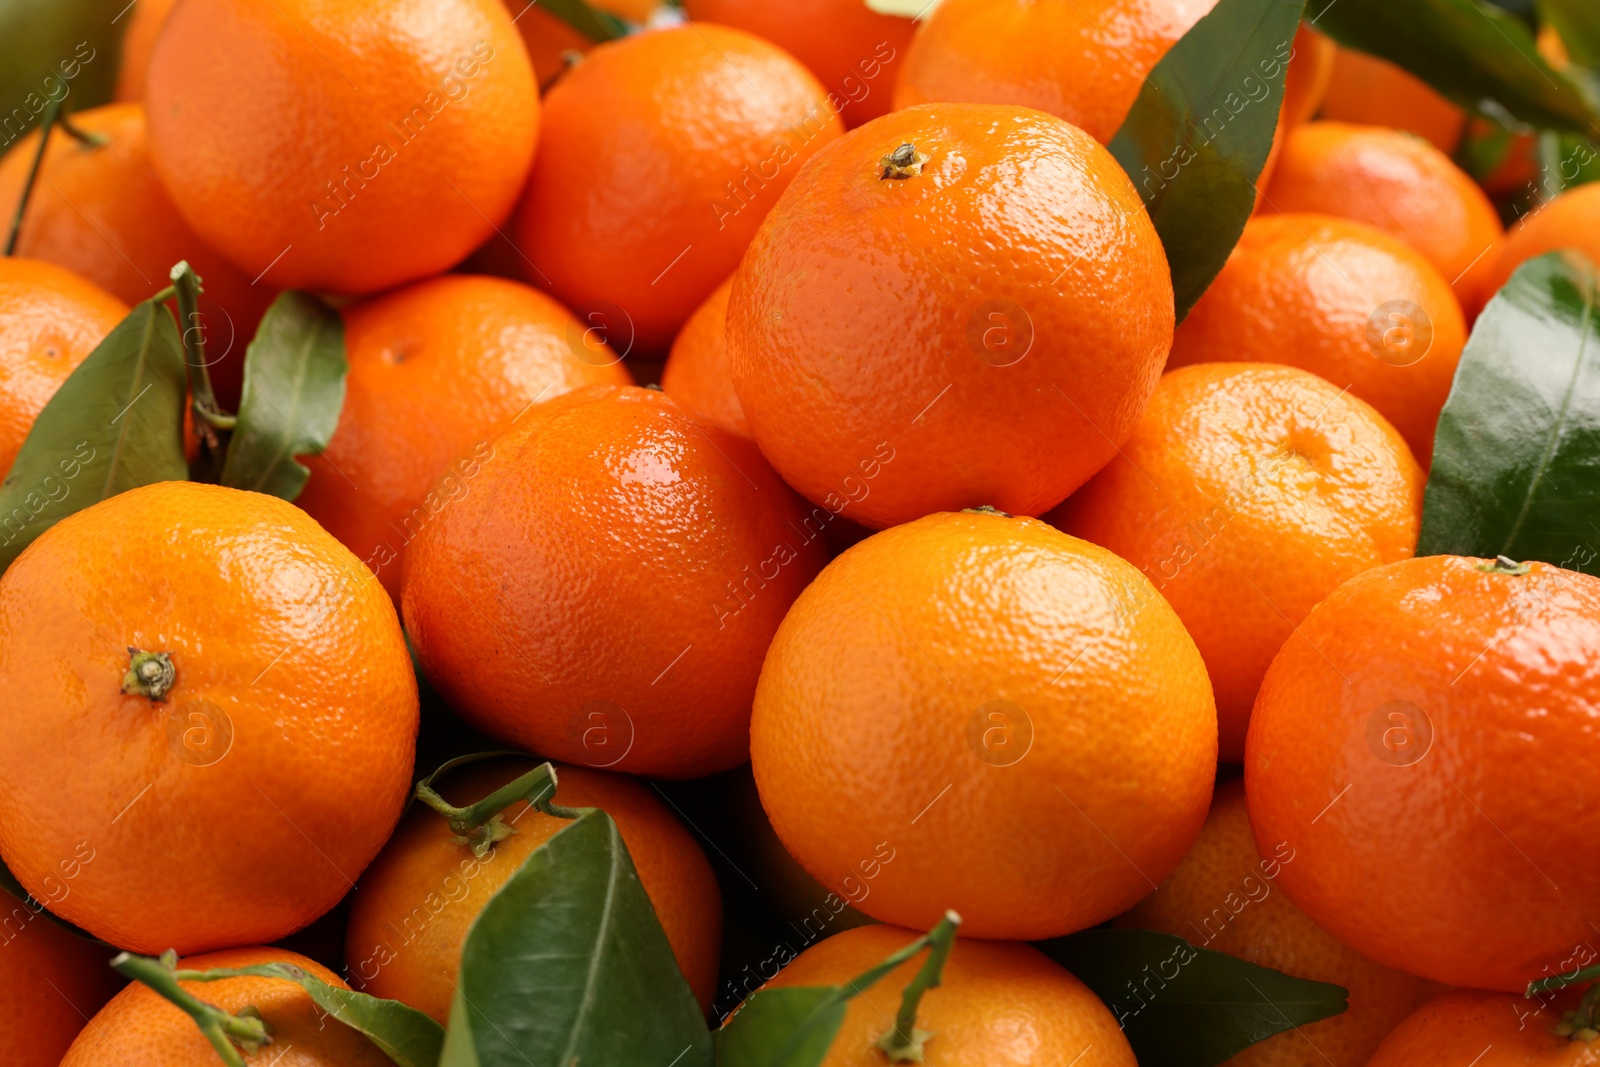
[[139, 1028], [981, 713], [396, 951], [998, 1005], [244, 803], [1248, 492], [605, 593], [985, 330], [1424, 742], [342, 145]]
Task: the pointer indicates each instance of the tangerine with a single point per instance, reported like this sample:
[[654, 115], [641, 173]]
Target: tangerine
[[1369, 91], [50, 983], [1570, 220], [1490, 1029], [697, 374]]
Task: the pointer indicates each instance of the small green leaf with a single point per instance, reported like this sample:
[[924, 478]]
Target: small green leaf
[[115, 424], [1577, 23], [567, 964], [1473, 53], [406, 1035], [294, 373], [1516, 461], [588, 20], [1182, 1006], [1200, 132], [790, 1027]]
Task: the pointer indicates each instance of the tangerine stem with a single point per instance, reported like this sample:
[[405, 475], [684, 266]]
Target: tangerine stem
[[52, 111], [210, 421], [904, 1043], [220, 1028], [480, 825]]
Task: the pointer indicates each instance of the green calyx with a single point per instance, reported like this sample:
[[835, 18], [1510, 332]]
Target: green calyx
[[150, 674], [988, 509], [904, 162], [227, 1032], [480, 826], [904, 1042], [1503, 565]]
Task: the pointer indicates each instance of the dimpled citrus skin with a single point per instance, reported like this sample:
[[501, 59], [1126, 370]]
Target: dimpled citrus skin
[[1247, 493], [1485, 1029], [881, 765], [1374, 92], [604, 593], [854, 51], [1400, 184], [396, 951], [998, 1005], [1010, 302], [1224, 897], [343, 145], [1080, 60], [50, 320], [1571, 220], [1303, 290], [139, 1028], [275, 631], [436, 370], [1469, 864], [697, 374], [50, 982], [660, 156], [104, 213]]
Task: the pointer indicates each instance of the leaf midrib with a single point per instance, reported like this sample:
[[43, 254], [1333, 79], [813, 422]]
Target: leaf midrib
[[292, 439], [140, 363], [586, 1004]]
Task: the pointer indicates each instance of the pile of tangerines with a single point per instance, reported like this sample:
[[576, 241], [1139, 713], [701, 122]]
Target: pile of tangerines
[[793, 385]]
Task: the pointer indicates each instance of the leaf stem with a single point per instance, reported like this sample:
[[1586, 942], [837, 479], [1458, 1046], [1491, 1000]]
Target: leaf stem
[[213, 424], [480, 825], [52, 113], [220, 1028], [82, 136], [904, 1043]]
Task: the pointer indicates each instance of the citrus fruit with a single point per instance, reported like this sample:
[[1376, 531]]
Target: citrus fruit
[[139, 1026], [1488, 1029], [1247, 493], [437, 369], [138, 41], [978, 712], [101, 211], [1374, 92], [51, 982], [697, 374], [670, 198], [552, 44], [999, 1005], [605, 592], [1458, 692], [1224, 896], [1343, 300], [1305, 84], [854, 51], [1400, 184], [423, 128], [1080, 60], [50, 320], [416, 902], [1571, 220], [939, 299], [199, 713]]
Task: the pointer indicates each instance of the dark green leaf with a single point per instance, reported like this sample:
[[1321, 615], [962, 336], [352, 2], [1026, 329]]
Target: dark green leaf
[[62, 48], [1182, 1006], [406, 1035], [1577, 23], [116, 423], [1200, 132], [790, 1027], [1477, 55], [1516, 460], [588, 20], [294, 374], [567, 964]]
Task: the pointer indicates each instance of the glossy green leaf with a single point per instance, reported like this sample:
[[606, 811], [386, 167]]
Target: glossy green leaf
[[567, 964], [1200, 132], [1476, 54], [294, 372], [406, 1035], [1516, 460], [1182, 1006], [593, 23], [1577, 23], [792, 1027], [115, 424]]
